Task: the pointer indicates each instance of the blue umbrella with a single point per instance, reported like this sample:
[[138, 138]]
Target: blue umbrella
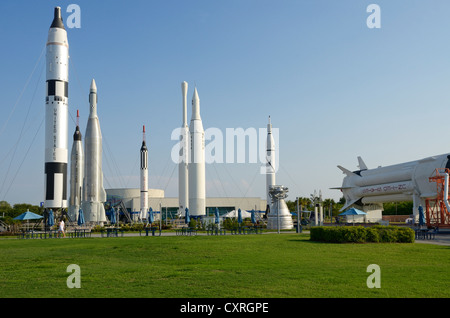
[[113, 216], [421, 216], [353, 211], [217, 220], [239, 216], [253, 216], [51, 218], [151, 218], [28, 216], [187, 218], [80, 217]]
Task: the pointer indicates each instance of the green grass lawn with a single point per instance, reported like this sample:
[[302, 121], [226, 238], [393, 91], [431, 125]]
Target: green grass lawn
[[231, 266]]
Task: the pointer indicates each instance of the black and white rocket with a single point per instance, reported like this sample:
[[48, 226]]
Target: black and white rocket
[[56, 115], [183, 175], [94, 195], [144, 177], [76, 173], [196, 166]]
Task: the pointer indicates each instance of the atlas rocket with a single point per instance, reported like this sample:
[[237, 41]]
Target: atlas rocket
[[144, 177], [183, 176], [76, 173], [279, 216], [94, 194], [56, 114], [196, 165]]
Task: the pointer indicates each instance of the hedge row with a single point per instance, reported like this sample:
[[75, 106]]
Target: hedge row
[[360, 234]]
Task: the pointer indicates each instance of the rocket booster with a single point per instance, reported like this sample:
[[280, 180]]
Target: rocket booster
[[144, 177], [183, 176], [56, 114], [407, 181], [94, 194], [270, 164], [76, 173], [196, 164]]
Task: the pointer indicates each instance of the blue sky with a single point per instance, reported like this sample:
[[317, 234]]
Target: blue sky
[[334, 88]]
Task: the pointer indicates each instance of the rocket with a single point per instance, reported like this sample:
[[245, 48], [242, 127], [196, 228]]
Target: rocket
[[279, 216], [56, 114], [76, 173], [408, 181], [196, 165], [270, 161], [94, 194], [183, 176], [144, 177]]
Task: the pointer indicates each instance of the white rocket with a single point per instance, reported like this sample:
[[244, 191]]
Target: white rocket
[[270, 161], [279, 216], [196, 166], [94, 194], [56, 115], [144, 177], [183, 176], [76, 173]]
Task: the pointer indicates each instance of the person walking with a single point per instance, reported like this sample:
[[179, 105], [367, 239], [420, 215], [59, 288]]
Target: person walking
[[61, 229]]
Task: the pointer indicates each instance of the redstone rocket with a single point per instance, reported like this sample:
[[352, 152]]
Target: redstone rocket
[[183, 175], [76, 173], [196, 166], [56, 114], [94, 195], [144, 177]]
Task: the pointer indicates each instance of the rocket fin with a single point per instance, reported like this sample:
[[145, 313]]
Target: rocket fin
[[346, 171], [349, 204], [362, 165]]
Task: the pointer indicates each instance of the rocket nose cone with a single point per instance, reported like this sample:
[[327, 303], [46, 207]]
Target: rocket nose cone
[[57, 20], [93, 86], [195, 97]]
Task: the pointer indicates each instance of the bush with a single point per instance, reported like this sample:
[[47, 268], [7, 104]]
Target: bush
[[360, 234]]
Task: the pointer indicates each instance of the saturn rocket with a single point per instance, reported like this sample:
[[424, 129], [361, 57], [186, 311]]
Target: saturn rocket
[[76, 173], [94, 194], [196, 165], [144, 177], [56, 114], [183, 176]]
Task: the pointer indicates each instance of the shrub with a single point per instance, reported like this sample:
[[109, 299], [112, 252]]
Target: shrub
[[360, 234]]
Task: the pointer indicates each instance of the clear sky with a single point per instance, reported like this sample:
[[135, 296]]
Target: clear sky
[[334, 88]]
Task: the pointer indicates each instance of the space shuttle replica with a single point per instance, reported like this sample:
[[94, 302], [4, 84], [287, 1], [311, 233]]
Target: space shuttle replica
[[76, 173], [94, 195], [424, 182], [56, 115], [279, 216]]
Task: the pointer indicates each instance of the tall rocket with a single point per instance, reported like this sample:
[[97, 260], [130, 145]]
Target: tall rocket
[[56, 114], [94, 194], [279, 216], [270, 164], [196, 163], [144, 177], [76, 173], [183, 176]]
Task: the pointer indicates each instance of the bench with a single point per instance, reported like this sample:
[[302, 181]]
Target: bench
[[186, 231]]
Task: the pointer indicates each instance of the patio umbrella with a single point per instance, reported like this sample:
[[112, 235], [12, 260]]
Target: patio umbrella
[[113, 216], [80, 217], [187, 218], [51, 218], [151, 218], [217, 220], [353, 212], [421, 216], [253, 216], [28, 216], [239, 216]]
